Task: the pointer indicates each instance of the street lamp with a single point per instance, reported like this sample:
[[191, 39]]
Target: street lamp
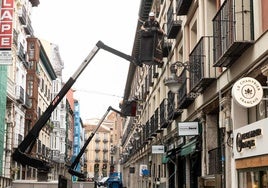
[[136, 134], [173, 82]]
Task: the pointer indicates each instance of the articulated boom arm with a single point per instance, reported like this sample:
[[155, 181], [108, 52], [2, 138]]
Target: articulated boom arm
[[78, 157], [19, 154]]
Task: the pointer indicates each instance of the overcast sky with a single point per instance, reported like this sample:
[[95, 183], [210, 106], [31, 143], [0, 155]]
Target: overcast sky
[[76, 26]]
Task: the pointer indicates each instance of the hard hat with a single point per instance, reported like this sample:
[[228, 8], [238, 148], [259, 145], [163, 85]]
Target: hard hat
[[151, 14]]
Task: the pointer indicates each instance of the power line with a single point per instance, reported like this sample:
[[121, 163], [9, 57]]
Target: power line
[[98, 92]]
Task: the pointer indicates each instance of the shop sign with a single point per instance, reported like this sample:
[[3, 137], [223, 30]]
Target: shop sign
[[188, 128], [158, 149], [247, 92], [251, 140], [6, 31], [247, 139]]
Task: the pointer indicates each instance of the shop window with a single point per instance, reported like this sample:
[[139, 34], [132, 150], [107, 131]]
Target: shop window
[[259, 111], [253, 178]]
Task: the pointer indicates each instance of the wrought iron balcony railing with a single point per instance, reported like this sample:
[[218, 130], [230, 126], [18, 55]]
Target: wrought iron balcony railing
[[185, 98], [183, 7], [233, 31], [200, 60], [173, 24]]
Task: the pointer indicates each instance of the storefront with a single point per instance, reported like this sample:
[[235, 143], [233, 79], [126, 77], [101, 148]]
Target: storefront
[[251, 155]]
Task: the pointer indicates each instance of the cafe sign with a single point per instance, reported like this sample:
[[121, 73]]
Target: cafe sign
[[247, 92]]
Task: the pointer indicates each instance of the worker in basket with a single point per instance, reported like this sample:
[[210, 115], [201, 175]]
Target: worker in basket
[[151, 24]]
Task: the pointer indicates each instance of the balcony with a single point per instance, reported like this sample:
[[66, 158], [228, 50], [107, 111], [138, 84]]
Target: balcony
[[156, 124], [105, 140], [150, 77], [97, 160], [153, 126], [21, 53], [43, 149], [173, 113], [173, 25], [168, 112], [15, 37], [27, 103], [97, 149], [148, 131], [19, 94], [202, 72], [22, 14], [97, 139], [28, 27], [145, 133], [154, 71], [183, 7], [105, 150], [184, 97], [164, 122], [167, 48], [232, 31], [56, 155]]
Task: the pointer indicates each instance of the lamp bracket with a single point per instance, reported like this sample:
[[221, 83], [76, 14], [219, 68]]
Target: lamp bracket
[[191, 68]]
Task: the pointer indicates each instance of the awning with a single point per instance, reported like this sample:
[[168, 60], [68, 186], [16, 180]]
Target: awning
[[164, 159], [188, 148]]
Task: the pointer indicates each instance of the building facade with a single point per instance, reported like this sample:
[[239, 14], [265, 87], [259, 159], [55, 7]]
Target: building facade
[[58, 117], [30, 78], [103, 152], [14, 98], [203, 136]]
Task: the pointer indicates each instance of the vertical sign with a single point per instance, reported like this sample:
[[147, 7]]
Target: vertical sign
[[6, 30]]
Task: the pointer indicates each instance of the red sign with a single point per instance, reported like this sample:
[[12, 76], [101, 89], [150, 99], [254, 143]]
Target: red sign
[[6, 21]]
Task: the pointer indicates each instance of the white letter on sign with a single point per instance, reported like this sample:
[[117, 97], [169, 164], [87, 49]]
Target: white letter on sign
[[5, 27]]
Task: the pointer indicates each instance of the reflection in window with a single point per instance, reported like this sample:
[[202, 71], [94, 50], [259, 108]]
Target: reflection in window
[[253, 179]]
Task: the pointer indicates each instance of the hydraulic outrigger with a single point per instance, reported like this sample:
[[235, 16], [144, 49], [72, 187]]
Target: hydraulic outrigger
[[21, 154]]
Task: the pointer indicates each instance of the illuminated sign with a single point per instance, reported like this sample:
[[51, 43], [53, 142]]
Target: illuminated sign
[[247, 92], [6, 30]]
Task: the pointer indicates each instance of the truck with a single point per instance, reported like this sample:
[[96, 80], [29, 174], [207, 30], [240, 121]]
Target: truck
[[22, 155]]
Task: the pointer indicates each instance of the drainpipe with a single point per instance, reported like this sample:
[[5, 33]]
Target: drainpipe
[[222, 140]]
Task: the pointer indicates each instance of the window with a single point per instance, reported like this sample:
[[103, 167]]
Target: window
[[253, 178], [260, 111]]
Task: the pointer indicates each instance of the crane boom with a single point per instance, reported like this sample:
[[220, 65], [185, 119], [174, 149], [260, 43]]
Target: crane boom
[[77, 159], [29, 140]]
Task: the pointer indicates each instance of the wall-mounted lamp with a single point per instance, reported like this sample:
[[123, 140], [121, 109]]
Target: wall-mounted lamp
[[173, 82], [130, 146], [136, 134]]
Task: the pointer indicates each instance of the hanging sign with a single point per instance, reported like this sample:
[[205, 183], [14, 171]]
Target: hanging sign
[[188, 128], [6, 29], [158, 149], [247, 92]]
